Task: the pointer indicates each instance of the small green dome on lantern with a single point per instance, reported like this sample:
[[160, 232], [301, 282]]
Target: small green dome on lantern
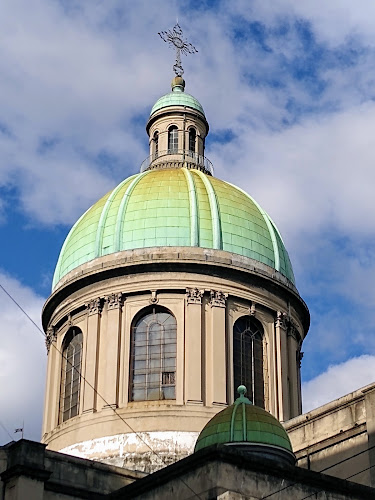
[[178, 97], [243, 423]]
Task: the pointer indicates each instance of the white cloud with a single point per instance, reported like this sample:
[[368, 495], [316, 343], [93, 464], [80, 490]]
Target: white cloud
[[22, 361], [338, 381]]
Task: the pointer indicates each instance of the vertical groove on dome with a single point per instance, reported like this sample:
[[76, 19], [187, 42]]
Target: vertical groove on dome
[[122, 210], [269, 226], [103, 217], [215, 216], [232, 423], [194, 234]]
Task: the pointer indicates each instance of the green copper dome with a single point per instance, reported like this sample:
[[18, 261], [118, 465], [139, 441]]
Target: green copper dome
[[242, 422], [177, 98], [174, 207]]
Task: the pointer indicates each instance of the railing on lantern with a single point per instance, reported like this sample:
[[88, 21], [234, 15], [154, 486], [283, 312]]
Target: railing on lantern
[[177, 158]]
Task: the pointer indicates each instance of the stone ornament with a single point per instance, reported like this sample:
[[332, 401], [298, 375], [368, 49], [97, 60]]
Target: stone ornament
[[114, 300], [95, 306], [218, 298], [252, 309], [194, 295], [51, 336], [281, 320], [154, 298]]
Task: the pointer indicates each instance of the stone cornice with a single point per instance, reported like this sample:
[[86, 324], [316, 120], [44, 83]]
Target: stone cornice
[[178, 259]]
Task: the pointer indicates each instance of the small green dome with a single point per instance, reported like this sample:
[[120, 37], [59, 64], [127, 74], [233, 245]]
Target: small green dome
[[241, 423], [177, 98], [174, 208]]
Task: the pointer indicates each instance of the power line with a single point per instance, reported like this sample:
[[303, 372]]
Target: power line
[[325, 469], [92, 387], [145, 442]]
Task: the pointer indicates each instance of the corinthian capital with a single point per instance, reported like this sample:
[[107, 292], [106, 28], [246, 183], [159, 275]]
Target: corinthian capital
[[95, 306], [194, 295], [51, 336], [218, 298], [114, 300]]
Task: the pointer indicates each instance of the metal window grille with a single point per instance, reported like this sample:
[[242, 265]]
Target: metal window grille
[[70, 375], [153, 357], [248, 358], [156, 140], [192, 139], [172, 139]]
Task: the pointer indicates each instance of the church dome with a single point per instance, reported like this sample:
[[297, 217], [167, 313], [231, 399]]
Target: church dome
[[178, 97], [243, 423], [174, 208]]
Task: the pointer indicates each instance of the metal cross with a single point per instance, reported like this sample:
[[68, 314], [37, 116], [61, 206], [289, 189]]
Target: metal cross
[[174, 38]]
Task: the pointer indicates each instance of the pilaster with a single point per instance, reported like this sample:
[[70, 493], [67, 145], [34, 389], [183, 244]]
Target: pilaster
[[294, 388], [94, 309], [281, 367], [51, 395], [216, 369], [193, 346], [110, 342]]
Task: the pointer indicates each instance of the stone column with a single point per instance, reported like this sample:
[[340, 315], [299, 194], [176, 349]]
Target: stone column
[[216, 369], [281, 367], [94, 309], [193, 346], [110, 351]]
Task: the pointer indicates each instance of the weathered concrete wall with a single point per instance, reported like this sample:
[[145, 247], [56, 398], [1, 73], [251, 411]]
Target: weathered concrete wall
[[340, 432], [144, 451], [228, 474], [29, 471]]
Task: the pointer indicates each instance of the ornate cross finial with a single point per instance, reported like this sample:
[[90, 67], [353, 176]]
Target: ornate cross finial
[[174, 38]]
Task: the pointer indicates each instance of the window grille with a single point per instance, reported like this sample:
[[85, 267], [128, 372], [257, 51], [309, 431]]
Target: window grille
[[153, 356], [192, 139], [156, 141], [172, 139], [71, 374], [248, 358]]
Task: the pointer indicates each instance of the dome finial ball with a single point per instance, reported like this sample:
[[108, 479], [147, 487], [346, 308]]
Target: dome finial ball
[[241, 389]]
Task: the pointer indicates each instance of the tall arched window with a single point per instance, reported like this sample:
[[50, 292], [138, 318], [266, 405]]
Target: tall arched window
[[153, 356], [71, 374], [192, 139], [248, 358], [156, 144], [172, 139]]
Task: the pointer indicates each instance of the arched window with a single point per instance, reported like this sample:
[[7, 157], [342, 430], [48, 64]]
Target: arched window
[[153, 356], [248, 358], [156, 144], [192, 138], [172, 139], [71, 374]]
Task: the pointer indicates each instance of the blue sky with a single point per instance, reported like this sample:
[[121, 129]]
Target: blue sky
[[288, 88]]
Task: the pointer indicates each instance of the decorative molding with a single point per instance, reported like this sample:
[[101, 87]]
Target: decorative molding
[[299, 357], [218, 298], [70, 321], [95, 306], [194, 295], [51, 336], [115, 300], [281, 320], [154, 297], [252, 309]]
